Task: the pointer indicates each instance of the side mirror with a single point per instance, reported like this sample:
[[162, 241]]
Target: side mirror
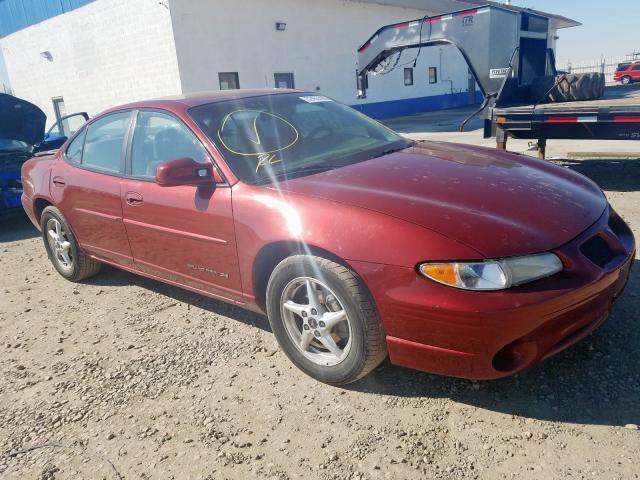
[[185, 171]]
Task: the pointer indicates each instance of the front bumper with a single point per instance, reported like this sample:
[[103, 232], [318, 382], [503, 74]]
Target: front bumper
[[10, 192], [486, 335]]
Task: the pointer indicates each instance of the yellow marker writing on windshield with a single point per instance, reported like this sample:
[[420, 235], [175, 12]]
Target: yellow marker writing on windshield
[[266, 159], [258, 140]]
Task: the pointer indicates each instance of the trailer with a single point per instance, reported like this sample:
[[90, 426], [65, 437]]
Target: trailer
[[616, 116], [509, 52]]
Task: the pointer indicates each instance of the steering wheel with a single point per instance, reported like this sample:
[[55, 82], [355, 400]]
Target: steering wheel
[[313, 134]]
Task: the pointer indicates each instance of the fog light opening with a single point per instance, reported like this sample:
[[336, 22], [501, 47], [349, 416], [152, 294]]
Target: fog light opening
[[515, 356]]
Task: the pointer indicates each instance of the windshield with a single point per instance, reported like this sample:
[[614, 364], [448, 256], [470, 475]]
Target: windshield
[[10, 145], [270, 137]]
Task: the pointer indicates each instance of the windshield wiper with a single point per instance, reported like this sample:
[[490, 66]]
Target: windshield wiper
[[392, 150], [303, 170]]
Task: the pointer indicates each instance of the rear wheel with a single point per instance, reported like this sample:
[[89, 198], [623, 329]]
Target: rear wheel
[[324, 319], [63, 249]]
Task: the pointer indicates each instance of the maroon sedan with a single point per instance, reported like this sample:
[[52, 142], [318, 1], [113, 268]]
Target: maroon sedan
[[355, 241]]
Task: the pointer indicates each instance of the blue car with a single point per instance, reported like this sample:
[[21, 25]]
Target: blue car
[[22, 136]]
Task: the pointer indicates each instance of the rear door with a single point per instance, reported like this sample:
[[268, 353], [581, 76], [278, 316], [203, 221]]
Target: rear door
[[86, 187], [184, 234]]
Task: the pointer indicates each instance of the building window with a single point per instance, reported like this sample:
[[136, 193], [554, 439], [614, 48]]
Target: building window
[[284, 80], [229, 80], [433, 75], [408, 76]]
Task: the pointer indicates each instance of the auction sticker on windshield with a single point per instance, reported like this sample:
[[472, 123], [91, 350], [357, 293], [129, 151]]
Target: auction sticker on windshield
[[316, 99]]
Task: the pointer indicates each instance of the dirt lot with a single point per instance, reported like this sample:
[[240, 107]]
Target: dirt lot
[[122, 377]]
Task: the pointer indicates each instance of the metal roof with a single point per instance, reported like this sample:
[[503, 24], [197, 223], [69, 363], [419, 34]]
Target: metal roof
[[437, 7], [18, 14]]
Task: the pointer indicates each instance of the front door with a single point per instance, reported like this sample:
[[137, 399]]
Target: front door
[[86, 186], [184, 234], [60, 131]]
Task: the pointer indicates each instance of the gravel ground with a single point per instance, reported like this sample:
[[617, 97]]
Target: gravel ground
[[123, 377]]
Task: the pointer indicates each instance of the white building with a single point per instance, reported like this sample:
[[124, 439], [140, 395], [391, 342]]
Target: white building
[[91, 55]]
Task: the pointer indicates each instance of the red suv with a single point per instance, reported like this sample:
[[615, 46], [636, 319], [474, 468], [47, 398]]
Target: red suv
[[355, 241], [627, 73]]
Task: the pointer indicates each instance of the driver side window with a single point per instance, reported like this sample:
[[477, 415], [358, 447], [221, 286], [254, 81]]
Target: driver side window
[[159, 138]]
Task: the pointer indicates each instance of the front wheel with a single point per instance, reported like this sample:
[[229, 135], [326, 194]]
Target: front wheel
[[324, 319], [63, 249], [626, 80]]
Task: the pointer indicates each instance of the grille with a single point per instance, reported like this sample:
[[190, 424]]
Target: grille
[[597, 250]]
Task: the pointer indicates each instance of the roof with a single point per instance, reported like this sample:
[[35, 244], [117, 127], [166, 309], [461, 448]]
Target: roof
[[438, 7], [202, 98], [211, 96]]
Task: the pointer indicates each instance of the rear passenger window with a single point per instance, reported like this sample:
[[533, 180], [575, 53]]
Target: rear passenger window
[[74, 150], [103, 143], [159, 138], [637, 67]]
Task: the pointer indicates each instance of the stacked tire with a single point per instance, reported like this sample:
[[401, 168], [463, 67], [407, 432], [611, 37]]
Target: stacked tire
[[569, 87]]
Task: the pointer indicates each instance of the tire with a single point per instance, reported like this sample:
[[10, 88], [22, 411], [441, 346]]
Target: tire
[[583, 88], [602, 85], [70, 262], [596, 85], [626, 80], [579, 87], [566, 87], [358, 336]]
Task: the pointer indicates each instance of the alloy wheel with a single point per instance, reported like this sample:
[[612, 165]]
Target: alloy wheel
[[316, 321], [59, 244]]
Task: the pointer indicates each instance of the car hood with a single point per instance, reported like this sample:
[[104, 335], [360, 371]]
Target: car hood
[[21, 120], [497, 203]]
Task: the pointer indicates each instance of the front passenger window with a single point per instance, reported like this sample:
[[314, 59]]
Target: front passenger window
[[74, 150], [159, 138], [103, 145]]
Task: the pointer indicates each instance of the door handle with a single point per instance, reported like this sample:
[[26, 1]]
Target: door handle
[[58, 181], [133, 198]]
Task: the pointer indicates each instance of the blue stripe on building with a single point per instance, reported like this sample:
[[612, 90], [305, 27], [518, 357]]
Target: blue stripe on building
[[18, 14], [410, 106]]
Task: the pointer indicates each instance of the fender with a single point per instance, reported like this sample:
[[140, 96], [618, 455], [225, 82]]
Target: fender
[[314, 224]]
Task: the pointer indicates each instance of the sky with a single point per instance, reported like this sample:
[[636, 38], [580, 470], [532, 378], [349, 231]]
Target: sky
[[609, 28]]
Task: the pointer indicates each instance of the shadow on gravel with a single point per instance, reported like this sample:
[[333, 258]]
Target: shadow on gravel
[[114, 277], [17, 227], [597, 381], [621, 175]]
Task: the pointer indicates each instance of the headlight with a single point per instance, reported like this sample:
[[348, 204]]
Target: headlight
[[493, 274]]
